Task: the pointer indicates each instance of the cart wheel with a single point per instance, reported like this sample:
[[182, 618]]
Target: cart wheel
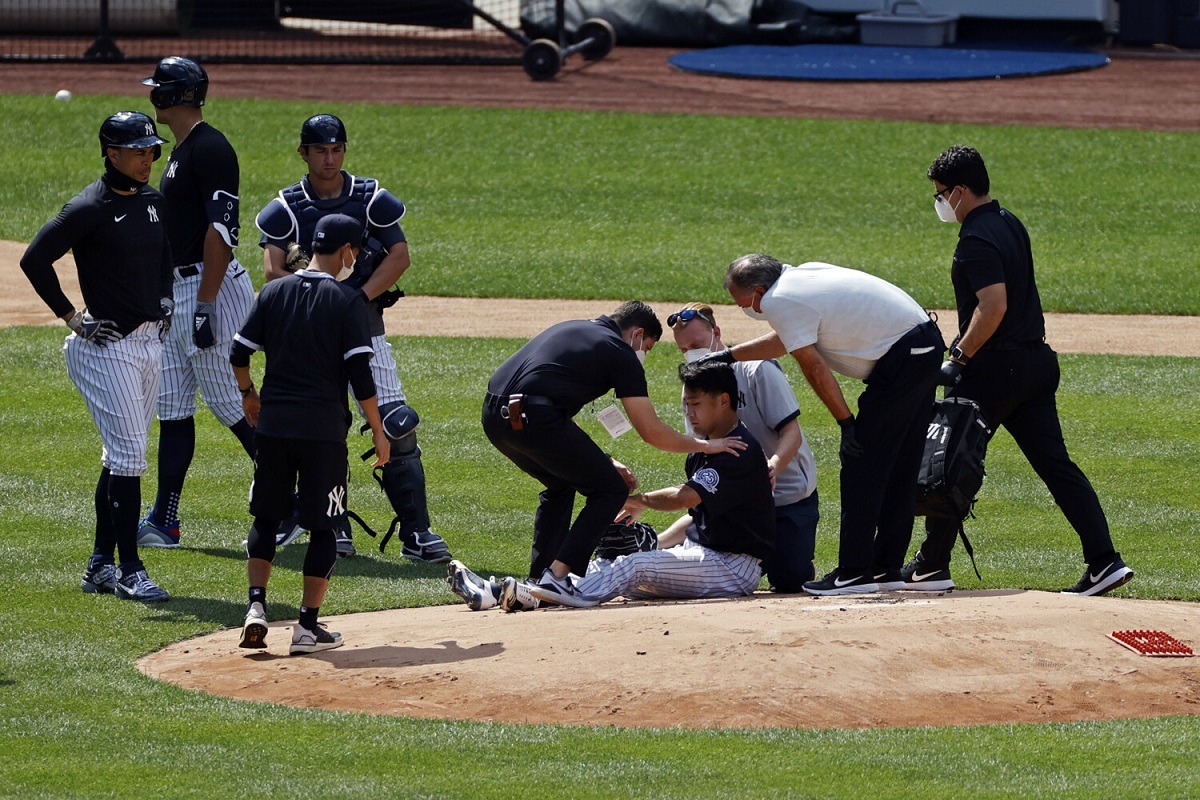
[[602, 35], [542, 59]]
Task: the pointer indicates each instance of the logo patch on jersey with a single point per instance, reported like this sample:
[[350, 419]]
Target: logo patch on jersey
[[337, 502], [118, 219], [153, 213], [171, 169], [708, 478]]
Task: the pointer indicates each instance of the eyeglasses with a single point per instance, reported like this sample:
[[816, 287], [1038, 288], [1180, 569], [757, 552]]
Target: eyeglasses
[[938, 195], [681, 318]]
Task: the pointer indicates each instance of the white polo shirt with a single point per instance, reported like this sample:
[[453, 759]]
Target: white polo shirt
[[852, 318]]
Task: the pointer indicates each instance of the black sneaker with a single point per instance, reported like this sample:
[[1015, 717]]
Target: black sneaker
[[837, 582], [1103, 580], [889, 580], [918, 576]]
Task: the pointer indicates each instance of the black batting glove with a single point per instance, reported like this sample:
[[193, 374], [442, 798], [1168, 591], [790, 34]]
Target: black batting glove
[[850, 447], [950, 373], [202, 332], [98, 331], [720, 357]]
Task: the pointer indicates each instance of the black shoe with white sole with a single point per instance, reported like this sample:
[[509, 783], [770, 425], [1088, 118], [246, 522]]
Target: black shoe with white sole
[[838, 582], [919, 576], [1103, 580]]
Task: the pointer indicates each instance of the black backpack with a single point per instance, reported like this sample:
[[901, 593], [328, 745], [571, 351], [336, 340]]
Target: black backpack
[[952, 465]]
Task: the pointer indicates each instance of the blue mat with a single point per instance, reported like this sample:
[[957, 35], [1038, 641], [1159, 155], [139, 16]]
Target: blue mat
[[856, 62]]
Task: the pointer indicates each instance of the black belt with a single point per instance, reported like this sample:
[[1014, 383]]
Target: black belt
[[188, 271], [497, 401]]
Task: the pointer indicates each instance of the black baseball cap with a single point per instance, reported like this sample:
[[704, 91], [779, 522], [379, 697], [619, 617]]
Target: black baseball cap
[[335, 231]]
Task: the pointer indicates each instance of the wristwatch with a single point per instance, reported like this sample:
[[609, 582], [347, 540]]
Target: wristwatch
[[956, 354]]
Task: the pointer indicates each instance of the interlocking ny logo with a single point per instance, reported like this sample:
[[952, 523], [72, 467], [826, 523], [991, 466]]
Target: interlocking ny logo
[[337, 502], [171, 169], [149, 129], [153, 213]]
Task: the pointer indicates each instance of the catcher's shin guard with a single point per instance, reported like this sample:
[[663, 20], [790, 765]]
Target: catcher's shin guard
[[403, 482]]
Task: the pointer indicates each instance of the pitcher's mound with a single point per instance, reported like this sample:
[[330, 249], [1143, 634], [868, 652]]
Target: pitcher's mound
[[765, 661]]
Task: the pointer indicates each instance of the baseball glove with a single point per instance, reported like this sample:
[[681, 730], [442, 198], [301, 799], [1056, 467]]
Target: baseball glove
[[295, 258], [621, 540]]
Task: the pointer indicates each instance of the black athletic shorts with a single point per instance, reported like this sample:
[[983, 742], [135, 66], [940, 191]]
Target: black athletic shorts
[[322, 469]]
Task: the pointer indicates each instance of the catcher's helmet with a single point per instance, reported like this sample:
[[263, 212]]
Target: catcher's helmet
[[131, 130], [322, 129], [177, 82]]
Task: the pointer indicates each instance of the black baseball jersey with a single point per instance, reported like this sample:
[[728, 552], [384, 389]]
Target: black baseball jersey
[[121, 253], [993, 247], [573, 363], [308, 325], [737, 510], [200, 183]]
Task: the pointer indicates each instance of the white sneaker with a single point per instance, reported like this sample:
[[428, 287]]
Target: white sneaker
[[254, 629], [560, 591], [516, 596], [306, 641], [479, 594]]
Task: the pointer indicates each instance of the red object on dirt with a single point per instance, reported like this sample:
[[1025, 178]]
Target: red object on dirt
[[1152, 643]]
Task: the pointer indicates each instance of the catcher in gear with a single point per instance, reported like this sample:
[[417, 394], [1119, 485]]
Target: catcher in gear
[[287, 224]]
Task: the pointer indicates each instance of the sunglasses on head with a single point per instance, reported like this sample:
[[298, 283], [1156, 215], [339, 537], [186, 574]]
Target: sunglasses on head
[[680, 318]]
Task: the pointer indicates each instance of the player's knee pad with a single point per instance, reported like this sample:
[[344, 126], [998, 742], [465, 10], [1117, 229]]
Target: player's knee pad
[[400, 423], [261, 541]]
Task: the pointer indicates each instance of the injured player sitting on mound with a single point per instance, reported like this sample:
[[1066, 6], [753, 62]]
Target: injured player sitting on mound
[[719, 554]]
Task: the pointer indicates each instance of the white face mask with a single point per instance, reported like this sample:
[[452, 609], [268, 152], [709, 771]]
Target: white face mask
[[637, 349], [697, 353], [345, 272], [945, 212], [752, 314]]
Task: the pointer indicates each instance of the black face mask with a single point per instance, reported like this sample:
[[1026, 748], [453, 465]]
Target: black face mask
[[119, 180]]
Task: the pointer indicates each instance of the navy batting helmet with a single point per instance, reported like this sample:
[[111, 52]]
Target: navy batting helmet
[[130, 129], [322, 129], [177, 82]]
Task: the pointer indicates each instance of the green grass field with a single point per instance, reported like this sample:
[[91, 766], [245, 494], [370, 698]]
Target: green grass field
[[545, 204], [570, 204]]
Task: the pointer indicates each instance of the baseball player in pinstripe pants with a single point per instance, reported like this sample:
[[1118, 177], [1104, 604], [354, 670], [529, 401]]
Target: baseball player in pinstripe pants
[[116, 230], [733, 517], [212, 291]]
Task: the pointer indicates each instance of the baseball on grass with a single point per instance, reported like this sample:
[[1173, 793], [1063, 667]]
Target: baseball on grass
[[62, 94]]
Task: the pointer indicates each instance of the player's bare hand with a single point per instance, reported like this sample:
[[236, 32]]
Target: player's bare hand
[[626, 475], [383, 447], [726, 444], [634, 506], [251, 403], [771, 470]]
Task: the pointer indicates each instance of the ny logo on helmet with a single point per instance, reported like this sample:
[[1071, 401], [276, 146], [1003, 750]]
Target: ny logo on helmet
[[149, 129]]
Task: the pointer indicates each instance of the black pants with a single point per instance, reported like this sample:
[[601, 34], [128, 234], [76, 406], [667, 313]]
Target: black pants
[[1015, 388], [878, 488], [556, 452]]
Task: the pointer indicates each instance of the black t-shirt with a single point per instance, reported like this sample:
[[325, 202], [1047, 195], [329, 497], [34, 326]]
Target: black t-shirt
[[993, 247], [737, 511], [200, 182], [309, 325], [121, 253], [573, 363]]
